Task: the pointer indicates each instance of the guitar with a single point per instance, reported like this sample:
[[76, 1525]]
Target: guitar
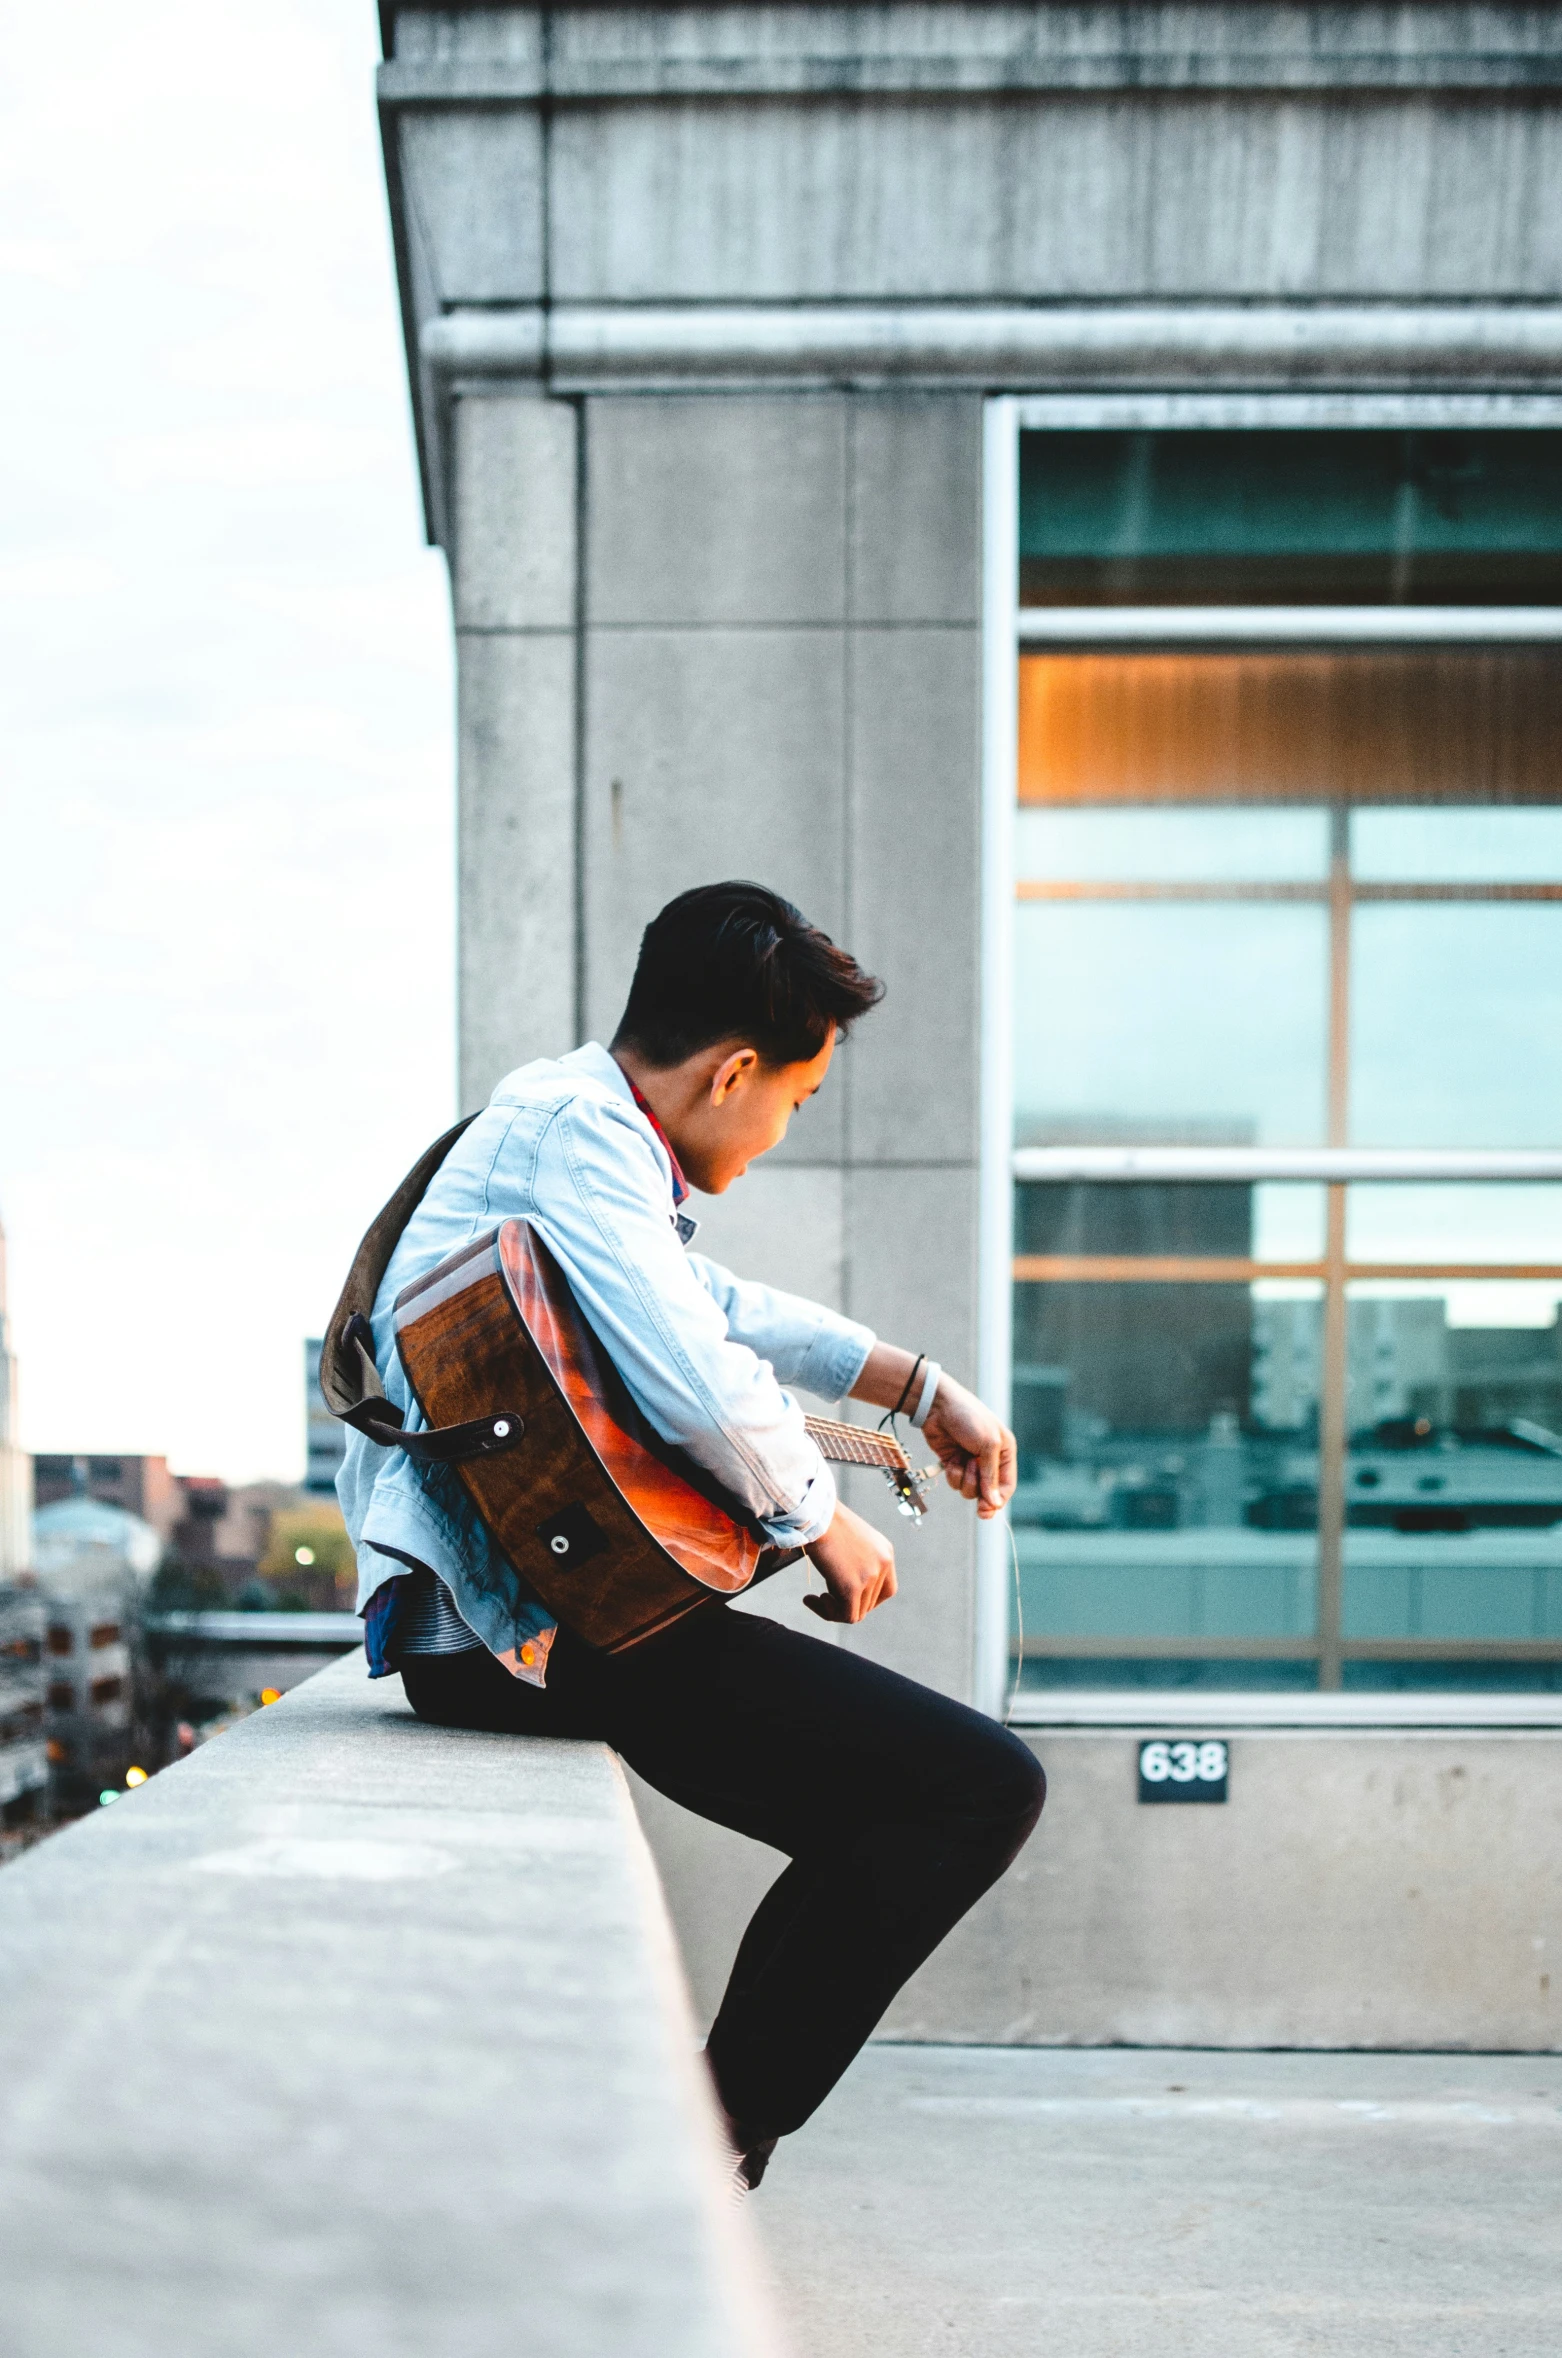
[[620, 1534]]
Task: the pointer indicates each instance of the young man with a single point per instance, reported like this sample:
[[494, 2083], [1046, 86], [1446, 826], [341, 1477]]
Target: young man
[[896, 1807]]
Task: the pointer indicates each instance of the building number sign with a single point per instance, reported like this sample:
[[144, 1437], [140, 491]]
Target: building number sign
[[1183, 1768]]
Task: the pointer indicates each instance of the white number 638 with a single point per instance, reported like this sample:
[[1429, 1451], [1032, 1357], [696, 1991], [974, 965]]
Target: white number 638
[[1183, 1764]]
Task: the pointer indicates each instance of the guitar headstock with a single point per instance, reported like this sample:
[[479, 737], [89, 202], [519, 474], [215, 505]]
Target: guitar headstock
[[910, 1485]]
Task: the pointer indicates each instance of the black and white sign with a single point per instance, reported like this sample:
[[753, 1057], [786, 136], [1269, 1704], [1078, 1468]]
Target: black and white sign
[[1183, 1768]]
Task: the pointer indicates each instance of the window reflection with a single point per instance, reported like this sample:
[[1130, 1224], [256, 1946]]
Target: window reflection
[[1194, 1022], [1454, 1473], [1288, 1223], [1456, 1025], [1288, 516], [1422, 1377], [1490, 846], [1451, 1222], [1155, 845], [1156, 1486]]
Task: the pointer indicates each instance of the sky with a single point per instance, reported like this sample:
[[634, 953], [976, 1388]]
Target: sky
[[226, 748]]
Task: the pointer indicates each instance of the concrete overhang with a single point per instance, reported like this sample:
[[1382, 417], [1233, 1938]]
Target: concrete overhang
[[472, 54], [1003, 197]]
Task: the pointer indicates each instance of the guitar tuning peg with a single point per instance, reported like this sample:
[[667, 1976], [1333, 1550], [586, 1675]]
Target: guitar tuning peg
[[910, 1488]]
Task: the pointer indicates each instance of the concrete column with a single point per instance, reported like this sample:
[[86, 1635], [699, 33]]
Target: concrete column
[[783, 680], [514, 578], [913, 854], [715, 601]]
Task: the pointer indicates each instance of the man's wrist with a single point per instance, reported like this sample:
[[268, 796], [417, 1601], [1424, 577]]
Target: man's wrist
[[922, 1406]]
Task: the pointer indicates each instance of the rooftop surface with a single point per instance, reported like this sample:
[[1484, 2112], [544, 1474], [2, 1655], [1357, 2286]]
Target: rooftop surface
[[981, 2202]]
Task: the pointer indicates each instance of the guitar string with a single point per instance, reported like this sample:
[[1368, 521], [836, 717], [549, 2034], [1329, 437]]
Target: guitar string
[[863, 1448], [1019, 1624]]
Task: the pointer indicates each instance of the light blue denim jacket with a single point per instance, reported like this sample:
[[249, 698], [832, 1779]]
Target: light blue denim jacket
[[705, 1355]]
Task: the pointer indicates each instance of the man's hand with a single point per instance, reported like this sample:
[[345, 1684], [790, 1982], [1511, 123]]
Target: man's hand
[[858, 1564], [976, 1452]]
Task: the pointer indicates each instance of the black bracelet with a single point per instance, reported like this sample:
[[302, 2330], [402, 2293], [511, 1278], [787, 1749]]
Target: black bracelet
[[910, 1380]]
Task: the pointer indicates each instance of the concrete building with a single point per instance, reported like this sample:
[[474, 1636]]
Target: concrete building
[[94, 1564], [24, 1764], [1405, 1360], [140, 1486], [964, 464], [216, 1526]]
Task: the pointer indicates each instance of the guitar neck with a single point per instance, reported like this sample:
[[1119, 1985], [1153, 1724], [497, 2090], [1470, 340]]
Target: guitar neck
[[855, 1445]]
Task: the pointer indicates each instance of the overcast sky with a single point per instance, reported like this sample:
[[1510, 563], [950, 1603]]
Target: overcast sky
[[225, 806]]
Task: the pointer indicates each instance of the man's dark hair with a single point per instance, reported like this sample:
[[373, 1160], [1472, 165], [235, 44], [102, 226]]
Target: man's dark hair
[[736, 962]]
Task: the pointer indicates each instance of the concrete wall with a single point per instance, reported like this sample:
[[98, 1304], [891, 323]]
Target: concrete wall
[[1370, 1888], [710, 637], [349, 2035]]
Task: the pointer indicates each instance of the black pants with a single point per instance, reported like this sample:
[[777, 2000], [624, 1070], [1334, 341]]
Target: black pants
[[896, 1808]]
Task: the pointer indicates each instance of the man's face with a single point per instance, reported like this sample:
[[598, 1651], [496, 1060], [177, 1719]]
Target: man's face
[[740, 1114]]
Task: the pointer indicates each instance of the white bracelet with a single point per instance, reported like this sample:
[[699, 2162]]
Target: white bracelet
[[918, 1416]]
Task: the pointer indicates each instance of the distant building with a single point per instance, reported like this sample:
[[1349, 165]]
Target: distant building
[[94, 1563], [140, 1486], [1405, 1360], [1497, 1375], [325, 1436], [24, 1765], [198, 1517], [1130, 1358]]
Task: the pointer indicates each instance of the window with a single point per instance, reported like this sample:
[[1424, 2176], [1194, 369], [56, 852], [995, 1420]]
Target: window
[[1277, 1431]]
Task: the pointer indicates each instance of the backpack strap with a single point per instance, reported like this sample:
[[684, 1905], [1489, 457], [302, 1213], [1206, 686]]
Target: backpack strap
[[349, 1377]]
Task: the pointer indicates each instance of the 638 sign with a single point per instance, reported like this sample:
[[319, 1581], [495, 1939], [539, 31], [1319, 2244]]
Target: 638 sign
[[1183, 1768]]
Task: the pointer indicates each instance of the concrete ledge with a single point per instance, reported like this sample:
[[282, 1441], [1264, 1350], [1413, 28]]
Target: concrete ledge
[[1375, 1888], [1217, 1709], [351, 2035], [586, 346]]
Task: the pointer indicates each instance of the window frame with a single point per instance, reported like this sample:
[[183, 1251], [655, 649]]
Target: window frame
[[1008, 631]]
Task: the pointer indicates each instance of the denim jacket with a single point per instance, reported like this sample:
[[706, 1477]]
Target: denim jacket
[[704, 1354]]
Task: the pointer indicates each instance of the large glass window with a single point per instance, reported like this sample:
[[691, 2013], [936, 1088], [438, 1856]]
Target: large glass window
[[1272, 1433]]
